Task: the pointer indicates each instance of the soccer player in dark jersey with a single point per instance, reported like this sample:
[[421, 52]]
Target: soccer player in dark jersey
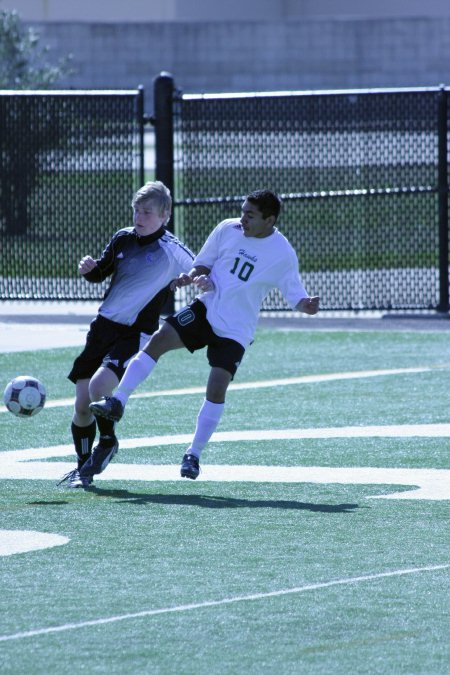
[[142, 261]]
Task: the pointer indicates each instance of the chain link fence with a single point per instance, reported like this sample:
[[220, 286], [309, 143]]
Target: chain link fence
[[358, 173], [362, 175], [69, 167]]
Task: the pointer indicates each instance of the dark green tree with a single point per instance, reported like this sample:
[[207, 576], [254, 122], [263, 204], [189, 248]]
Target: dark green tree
[[23, 66], [23, 60]]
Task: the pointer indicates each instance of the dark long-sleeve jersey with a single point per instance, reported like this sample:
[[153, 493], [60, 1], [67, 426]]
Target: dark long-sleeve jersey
[[142, 269]]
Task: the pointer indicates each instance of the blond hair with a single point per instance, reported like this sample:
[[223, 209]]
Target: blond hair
[[158, 194]]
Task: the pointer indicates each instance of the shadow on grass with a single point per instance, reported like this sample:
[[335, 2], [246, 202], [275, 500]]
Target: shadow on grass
[[215, 502]]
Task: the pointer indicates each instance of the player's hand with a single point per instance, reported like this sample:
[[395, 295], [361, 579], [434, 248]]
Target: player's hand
[[86, 264], [183, 280], [309, 305], [204, 283]]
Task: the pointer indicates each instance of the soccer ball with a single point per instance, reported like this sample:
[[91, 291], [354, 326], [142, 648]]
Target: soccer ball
[[24, 396]]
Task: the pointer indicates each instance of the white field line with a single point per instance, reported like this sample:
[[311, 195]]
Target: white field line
[[429, 484], [387, 431], [282, 382], [23, 541], [217, 603], [432, 484]]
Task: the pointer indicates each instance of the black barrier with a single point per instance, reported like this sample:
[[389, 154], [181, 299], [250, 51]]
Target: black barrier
[[70, 162], [363, 178], [362, 174]]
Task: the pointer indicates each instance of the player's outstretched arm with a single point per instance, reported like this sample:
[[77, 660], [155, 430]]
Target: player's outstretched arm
[[309, 305]]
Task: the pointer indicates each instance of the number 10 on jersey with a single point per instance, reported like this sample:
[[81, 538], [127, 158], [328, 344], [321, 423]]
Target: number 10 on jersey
[[242, 269]]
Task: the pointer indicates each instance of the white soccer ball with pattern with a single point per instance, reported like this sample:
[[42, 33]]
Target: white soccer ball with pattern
[[24, 396]]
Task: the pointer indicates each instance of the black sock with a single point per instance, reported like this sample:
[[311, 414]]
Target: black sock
[[83, 438], [106, 429]]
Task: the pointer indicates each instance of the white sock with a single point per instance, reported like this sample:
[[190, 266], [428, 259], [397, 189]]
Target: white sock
[[207, 420], [137, 371]]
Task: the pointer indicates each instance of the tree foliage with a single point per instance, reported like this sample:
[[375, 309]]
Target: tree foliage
[[25, 131], [23, 60]]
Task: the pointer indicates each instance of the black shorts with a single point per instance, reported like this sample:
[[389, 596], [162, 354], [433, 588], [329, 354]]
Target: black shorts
[[108, 344], [195, 331]]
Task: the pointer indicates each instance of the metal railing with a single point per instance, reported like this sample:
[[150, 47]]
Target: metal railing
[[70, 161], [362, 174]]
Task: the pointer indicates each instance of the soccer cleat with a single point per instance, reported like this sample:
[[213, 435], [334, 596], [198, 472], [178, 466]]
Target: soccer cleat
[[74, 480], [109, 407], [190, 467], [99, 460]]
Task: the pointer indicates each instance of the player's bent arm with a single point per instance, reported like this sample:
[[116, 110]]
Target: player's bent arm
[[198, 271], [204, 283], [308, 305], [189, 278], [86, 264]]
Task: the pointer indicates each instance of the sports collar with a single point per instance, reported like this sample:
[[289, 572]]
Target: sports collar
[[149, 238]]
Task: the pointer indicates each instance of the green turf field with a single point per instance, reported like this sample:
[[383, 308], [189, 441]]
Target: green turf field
[[316, 541]]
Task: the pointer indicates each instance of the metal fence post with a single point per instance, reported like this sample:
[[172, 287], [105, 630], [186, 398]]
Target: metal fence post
[[141, 122], [163, 121], [443, 202], [164, 155]]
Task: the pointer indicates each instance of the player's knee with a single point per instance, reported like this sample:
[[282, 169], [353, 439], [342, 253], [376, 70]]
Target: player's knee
[[164, 340], [216, 392], [82, 415], [97, 390], [81, 405], [102, 383]]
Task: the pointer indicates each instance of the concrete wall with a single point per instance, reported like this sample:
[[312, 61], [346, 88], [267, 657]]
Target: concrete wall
[[220, 10], [261, 56]]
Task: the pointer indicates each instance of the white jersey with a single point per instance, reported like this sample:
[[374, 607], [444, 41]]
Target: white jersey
[[244, 270]]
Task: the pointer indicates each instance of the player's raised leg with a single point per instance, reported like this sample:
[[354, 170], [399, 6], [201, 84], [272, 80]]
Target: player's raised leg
[[164, 340]]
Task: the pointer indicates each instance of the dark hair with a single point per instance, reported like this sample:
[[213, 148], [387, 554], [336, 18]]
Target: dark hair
[[267, 202]]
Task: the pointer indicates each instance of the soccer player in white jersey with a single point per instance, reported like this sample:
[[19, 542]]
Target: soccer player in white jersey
[[142, 261], [239, 264]]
